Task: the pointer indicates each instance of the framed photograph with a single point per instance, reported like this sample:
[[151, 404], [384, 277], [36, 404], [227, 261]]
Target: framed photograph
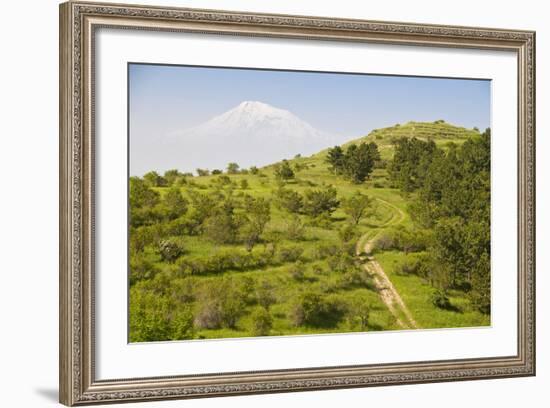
[[255, 203]]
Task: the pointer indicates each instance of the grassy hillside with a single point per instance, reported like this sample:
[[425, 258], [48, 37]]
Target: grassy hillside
[[289, 277]]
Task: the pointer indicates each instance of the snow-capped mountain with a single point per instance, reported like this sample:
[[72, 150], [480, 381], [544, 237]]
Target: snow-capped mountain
[[252, 133]]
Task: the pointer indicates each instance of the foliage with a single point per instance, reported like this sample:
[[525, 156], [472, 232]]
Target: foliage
[[283, 171], [265, 294], [289, 200], [357, 206], [453, 201], [317, 202], [203, 172], [441, 300], [221, 304], [359, 311], [257, 215], [171, 249], [153, 179], [317, 310], [208, 253], [154, 318], [356, 163], [262, 322], [232, 168], [295, 228]]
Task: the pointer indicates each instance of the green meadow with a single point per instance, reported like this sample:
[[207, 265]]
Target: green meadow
[[304, 246]]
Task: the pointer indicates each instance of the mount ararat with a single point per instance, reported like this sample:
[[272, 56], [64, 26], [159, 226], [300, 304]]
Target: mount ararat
[[250, 134]]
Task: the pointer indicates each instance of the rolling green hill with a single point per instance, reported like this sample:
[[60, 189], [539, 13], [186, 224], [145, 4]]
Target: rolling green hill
[[289, 276]]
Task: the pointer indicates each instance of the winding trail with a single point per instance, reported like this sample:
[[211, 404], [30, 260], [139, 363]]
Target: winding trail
[[384, 286]]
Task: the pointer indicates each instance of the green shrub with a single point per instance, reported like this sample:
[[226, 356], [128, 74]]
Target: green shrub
[[141, 267], [171, 249], [441, 300], [262, 322], [324, 250], [295, 228], [221, 304], [289, 254], [297, 271], [317, 310], [156, 318], [265, 294]]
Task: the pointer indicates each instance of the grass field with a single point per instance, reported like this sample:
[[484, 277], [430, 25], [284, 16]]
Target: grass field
[[310, 271]]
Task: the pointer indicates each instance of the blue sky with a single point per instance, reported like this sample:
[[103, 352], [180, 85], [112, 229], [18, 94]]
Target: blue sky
[[164, 98]]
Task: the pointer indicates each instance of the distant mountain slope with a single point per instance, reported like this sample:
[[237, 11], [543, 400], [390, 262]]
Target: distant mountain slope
[[252, 133]]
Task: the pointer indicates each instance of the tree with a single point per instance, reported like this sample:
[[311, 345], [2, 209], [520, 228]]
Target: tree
[[314, 309], [295, 228], [203, 206], [221, 228], [203, 172], [254, 170], [171, 249], [356, 163], [359, 161], [143, 203], [155, 317], [141, 195], [336, 159], [265, 294], [258, 214], [289, 200], [360, 309], [244, 184], [283, 171], [174, 204], [153, 179], [262, 322], [232, 168], [318, 202], [171, 176], [480, 293], [357, 206], [221, 304]]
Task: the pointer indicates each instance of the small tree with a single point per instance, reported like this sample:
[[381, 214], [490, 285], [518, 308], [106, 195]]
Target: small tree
[[171, 249], [174, 204], [141, 195], [359, 310], [261, 322], [336, 159], [171, 176], [283, 171], [258, 214], [254, 170], [203, 172], [153, 179], [265, 294], [318, 202], [357, 206], [289, 200], [295, 228], [220, 228], [232, 168], [244, 184]]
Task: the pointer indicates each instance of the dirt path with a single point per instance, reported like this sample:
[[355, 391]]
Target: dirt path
[[385, 288]]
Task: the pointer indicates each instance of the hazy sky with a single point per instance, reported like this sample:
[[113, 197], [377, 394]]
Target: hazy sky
[[166, 99]]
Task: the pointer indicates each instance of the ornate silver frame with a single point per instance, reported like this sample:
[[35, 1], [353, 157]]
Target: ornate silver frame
[[78, 22]]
